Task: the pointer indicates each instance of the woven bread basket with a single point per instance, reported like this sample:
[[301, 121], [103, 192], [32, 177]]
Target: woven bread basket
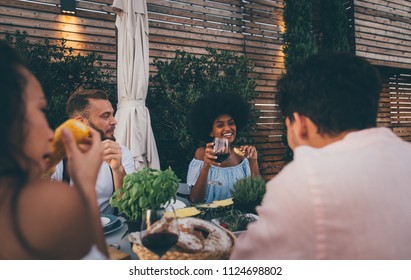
[[176, 253]]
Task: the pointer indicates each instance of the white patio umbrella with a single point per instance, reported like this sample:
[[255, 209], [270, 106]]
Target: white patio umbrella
[[133, 118]]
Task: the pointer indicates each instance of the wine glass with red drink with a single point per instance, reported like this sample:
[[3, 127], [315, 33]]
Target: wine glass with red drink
[[159, 232], [222, 152]]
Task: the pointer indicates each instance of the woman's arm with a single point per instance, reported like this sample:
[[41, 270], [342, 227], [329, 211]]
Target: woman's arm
[[206, 154], [84, 167]]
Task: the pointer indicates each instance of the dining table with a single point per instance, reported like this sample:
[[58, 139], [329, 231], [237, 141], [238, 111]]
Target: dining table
[[117, 240], [119, 246]]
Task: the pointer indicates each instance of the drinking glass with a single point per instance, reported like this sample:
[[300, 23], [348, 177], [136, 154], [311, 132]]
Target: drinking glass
[[159, 232], [222, 151]]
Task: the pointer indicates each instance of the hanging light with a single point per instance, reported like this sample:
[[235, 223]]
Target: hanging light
[[68, 7]]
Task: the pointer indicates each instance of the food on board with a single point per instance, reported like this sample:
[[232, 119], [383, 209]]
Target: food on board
[[184, 212], [199, 235]]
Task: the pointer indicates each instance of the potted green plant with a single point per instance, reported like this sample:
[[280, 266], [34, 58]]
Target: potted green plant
[[148, 188], [248, 193]]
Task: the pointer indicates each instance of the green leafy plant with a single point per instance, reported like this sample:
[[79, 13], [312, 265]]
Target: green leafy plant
[[148, 188], [299, 43], [334, 26], [178, 83], [61, 72], [248, 192]]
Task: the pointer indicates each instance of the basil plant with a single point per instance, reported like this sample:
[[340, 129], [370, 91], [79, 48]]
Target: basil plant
[[148, 188]]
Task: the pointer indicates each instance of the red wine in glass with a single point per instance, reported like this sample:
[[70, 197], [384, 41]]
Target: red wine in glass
[[221, 157], [158, 232], [222, 152], [160, 242]]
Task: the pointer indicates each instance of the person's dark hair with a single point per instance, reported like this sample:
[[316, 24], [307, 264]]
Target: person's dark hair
[[207, 108], [337, 91], [79, 101], [14, 164], [12, 110]]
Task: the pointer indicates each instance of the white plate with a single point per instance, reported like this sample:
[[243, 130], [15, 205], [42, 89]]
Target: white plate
[[108, 220], [115, 228], [177, 205], [104, 221]]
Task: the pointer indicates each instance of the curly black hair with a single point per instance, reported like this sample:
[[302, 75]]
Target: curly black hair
[[337, 91], [207, 108]]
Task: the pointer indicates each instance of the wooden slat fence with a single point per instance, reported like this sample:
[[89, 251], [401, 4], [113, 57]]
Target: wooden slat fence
[[395, 103], [250, 27], [383, 31]]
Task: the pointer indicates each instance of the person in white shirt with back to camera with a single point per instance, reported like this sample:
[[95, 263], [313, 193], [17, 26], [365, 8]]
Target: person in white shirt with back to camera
[[346, 194]]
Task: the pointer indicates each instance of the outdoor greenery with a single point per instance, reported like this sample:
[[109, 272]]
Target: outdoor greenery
[[61, 72], [248, 190], [177, 84], [148, 188], [334, 26], [299, 39], [299, 42]]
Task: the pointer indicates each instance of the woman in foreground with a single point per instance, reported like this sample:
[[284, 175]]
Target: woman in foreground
[[41, 219]]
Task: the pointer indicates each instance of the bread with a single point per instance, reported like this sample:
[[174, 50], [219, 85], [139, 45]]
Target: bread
[[79, 130], [239, 152], [198, 235]]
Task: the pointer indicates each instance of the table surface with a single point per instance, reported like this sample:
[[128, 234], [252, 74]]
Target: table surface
[[116, 238]]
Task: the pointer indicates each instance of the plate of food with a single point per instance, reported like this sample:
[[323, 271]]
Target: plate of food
[[235, 221], [224, 202]]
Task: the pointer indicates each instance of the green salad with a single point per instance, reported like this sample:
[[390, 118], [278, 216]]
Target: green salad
[[235, 220]]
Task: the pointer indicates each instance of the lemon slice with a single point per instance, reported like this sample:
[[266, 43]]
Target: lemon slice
[[239, 152]]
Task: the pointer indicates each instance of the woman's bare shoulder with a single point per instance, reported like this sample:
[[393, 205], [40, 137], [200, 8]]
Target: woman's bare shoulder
[[200, 153], [55, 218]]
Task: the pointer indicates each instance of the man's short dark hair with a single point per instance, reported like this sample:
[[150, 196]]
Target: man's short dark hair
[[78, 101], [337, 91]]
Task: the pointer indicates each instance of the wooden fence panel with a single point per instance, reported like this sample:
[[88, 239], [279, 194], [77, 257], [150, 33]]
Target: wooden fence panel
[[254, 28], [383, 32]]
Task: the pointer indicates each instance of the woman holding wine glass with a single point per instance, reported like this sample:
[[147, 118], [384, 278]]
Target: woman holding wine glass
[[216, 119]]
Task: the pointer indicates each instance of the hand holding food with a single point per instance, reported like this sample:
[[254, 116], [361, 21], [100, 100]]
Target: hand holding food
[[248, 151], [239, 152], [80, 132]]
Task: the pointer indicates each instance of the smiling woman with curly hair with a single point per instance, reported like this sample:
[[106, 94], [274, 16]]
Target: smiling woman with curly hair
[[219, 116]]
